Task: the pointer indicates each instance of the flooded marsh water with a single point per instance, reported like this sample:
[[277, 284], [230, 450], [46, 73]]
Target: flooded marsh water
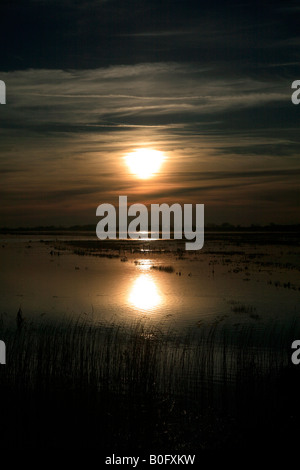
[[234, 281], [144, 342]]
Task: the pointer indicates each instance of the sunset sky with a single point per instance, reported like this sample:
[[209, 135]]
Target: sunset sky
[[206, 83]]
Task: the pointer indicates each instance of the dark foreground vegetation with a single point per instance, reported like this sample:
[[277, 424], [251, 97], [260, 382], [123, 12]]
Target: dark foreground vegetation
[[121, 389]]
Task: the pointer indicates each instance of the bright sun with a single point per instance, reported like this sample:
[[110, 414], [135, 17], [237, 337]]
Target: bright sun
[[144, 163]]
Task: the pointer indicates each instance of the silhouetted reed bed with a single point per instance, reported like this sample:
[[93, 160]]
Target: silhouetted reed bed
[[166, 269], [114, 387]]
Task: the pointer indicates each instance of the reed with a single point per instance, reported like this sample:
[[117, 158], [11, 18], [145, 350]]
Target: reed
[[84, 385]]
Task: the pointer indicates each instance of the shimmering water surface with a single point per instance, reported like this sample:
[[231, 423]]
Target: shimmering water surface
[[237, 282]]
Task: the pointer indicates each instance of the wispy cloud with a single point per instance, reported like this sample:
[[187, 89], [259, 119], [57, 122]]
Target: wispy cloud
[[154, 92]]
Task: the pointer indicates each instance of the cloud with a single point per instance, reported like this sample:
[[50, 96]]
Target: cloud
[[159, 94], [89, 81], [89, 34]]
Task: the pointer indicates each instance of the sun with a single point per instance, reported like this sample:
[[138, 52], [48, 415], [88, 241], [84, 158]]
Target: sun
[[144, 163]]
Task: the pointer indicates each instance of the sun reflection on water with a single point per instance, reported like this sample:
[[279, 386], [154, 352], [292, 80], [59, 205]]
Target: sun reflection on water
[[144, 264], [144, 294]]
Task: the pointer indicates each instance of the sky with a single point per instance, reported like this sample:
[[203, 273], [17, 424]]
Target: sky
[[207, 83]]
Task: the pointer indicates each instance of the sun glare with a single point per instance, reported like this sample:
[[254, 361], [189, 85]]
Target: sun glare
[[144, 163], [144, 294]]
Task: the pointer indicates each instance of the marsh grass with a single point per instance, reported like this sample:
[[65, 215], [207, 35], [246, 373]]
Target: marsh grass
[[160, 267], [242, 308], [115, 387]]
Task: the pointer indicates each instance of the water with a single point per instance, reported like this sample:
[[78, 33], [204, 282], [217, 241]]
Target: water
[[230, 306], [229, 282]]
